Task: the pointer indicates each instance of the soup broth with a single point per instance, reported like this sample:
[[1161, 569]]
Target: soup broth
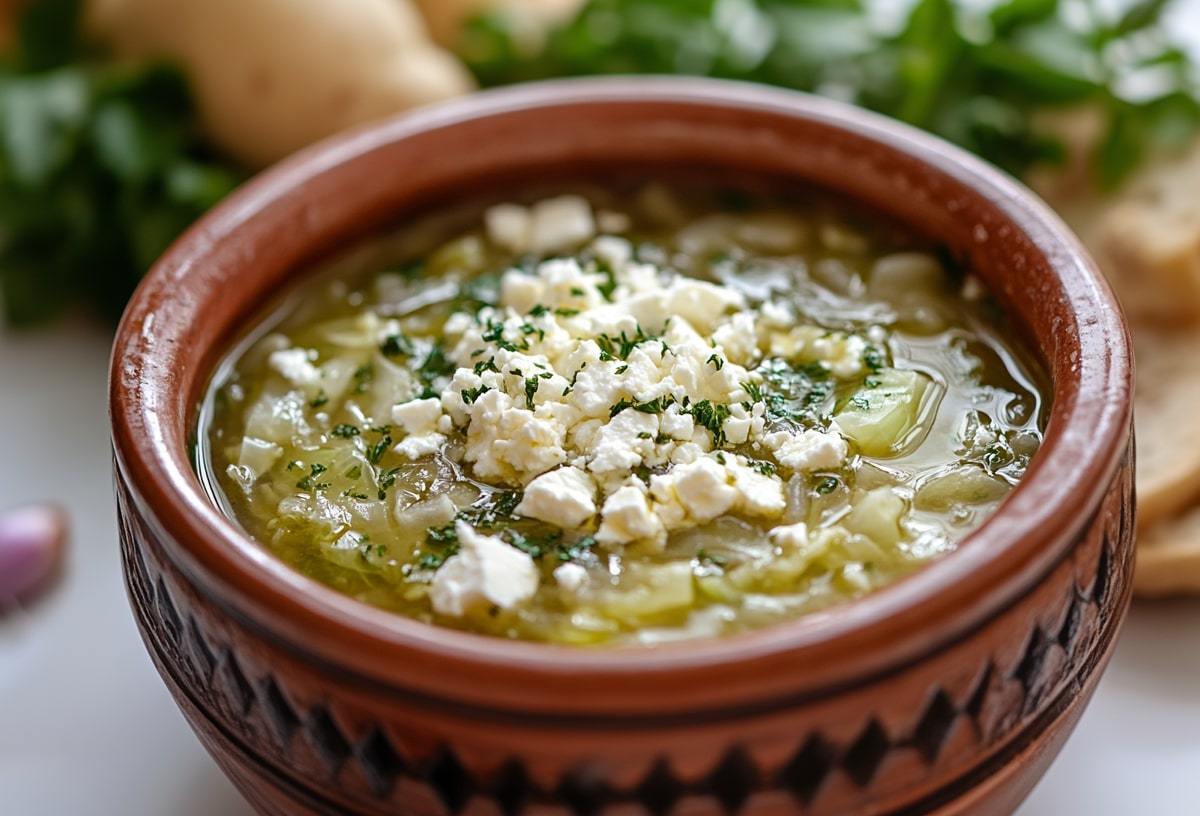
[[628, 416]]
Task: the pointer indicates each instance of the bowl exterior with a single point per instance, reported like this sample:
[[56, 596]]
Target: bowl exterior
[[947, 692], [968, 729]]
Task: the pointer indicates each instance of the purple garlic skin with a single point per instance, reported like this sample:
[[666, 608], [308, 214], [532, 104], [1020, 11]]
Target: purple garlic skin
[[32, 546]]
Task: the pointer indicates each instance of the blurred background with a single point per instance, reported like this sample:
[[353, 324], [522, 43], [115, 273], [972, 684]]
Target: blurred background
[[122, 121]]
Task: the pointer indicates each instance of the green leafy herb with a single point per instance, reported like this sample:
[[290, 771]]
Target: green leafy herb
[[386, 480], [101, 168], [577, 550], [375, 452], [309, 482], [364, 375], [485, 365], [827, 485], [620, 346], [397, 345], [469, 395], [492, 509], [655, 406], [345, 431], [971, 74], [765, 468], [535, 546], [711, 415], [436, 364], [874, 359], [440, 544]]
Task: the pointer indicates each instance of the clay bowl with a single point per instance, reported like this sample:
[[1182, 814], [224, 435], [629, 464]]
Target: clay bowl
[[948, 692]]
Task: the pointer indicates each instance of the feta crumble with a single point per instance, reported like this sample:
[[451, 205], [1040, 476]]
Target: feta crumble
[[563, 497], [484, 572]]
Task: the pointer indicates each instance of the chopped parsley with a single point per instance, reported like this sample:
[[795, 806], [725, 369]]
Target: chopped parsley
[[363, 376], [874, 359], [485, 365], [620, 346], [375, 452], [711, 415], [576, 550], [436, 364], [535, 546], [469, 395], [386, 480], [655, 406], [827, 485], [309, 482], [397, 345], [344, 430]]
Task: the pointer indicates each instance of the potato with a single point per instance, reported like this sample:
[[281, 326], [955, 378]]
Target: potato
[[271, 76], [447, 17]]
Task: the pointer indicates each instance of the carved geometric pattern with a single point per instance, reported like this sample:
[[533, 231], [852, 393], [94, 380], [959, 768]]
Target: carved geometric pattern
[[993, 701]]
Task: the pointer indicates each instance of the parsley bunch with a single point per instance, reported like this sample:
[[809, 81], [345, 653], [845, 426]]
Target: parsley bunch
[[101, 167], [972, 77]]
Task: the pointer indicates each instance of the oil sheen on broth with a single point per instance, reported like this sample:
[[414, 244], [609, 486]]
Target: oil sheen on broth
[[607, 417]]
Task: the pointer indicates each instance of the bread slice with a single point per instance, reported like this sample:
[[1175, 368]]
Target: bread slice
[[1168, 558], [1166, 409]]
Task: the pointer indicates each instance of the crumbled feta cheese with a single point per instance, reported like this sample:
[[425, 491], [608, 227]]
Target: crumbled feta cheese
[[521, 291], [842, 353], [296, 366], [776, 315], [808, 450], [508, 226], [620, 445], [613, 222], [737, 428], [419, 416], [738, 338], [511, 444], [614, 251], [571, 577], [563, 497], [484, 572], [676, 424], [759, 494], [548, 226], [703, 489], [560, 223], [419, 445], [626, 516]]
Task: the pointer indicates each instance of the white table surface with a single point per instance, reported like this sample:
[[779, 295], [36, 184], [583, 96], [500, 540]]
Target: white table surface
[[88, 729]]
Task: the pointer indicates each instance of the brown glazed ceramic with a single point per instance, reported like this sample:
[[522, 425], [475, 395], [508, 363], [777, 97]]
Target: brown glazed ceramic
[[949, 692]]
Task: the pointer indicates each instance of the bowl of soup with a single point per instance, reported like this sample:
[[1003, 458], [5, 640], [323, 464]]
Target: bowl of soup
[[627, 446]]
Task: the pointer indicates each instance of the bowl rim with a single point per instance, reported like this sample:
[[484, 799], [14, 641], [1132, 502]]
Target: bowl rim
[[1086, 439]]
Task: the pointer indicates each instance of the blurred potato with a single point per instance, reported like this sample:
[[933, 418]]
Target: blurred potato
[[272, 76], [447, 17]]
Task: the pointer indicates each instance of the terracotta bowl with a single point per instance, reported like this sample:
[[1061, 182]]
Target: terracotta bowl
[[948, 692]]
